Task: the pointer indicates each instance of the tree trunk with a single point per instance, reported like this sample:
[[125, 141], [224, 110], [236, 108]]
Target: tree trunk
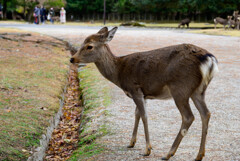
[[4, 9], [30, 13], [13, 15], [24, 9], [104, 12]]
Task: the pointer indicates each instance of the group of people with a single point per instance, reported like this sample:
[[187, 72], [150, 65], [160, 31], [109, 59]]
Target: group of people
[[40, 15]]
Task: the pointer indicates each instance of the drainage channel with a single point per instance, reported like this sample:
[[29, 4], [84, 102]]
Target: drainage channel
[[62, 135], [65, 137]]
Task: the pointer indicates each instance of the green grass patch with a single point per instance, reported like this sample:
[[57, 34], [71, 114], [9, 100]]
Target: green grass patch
[[30, 79], [160, 24], [148, 24], [175, 25], [222, 32], [96, 96], [95, 91]]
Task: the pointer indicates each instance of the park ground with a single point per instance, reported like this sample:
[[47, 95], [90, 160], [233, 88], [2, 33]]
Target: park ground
[[164, 119], [195, 27], [31, 80]]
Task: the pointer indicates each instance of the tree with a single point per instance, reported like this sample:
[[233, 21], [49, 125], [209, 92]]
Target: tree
[[57, 4]]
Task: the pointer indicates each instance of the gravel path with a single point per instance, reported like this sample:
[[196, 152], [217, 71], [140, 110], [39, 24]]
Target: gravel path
[[222, 98]]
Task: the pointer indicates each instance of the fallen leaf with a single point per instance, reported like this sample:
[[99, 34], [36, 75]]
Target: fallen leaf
[[24, 150]]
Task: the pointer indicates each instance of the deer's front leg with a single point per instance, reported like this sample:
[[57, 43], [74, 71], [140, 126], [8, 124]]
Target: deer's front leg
[[140, 102], [135, 129]]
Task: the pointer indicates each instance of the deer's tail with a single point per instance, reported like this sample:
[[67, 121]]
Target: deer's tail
[[208, 68]]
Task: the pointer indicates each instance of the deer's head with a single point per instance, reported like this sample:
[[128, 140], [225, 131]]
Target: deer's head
[[235, 13], [93, 46]]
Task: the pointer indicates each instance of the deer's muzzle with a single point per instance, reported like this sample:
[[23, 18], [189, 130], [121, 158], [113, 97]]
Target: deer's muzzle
[[72, 60]]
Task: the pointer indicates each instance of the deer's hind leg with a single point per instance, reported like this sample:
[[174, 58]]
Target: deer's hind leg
[[187, 119], [198, 99]]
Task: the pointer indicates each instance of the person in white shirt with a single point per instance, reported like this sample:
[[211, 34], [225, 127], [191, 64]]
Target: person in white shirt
[[62, 15]]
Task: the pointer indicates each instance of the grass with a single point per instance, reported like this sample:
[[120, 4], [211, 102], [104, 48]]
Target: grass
[[95, 91], [30, 78], [96, 97], [223, 32], [13, 21], [156, 24], [147, 24], [175, 25], [11, 30]]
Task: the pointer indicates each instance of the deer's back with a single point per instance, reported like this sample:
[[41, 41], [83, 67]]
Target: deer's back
[[157, 70], [185, 21], [221, 20]]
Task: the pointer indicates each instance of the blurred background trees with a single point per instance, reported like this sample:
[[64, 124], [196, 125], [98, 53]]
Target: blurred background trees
[[125, 10], [23, 9]]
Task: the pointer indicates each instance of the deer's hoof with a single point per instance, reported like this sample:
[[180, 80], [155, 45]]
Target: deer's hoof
[[144, 155], [167, 157], [130, 146], [147, 151], [199, 157]]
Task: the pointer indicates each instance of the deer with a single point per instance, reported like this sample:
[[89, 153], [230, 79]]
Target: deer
[[222, 21], [184, 22], [231, 23], [180, 72], [236, 17]]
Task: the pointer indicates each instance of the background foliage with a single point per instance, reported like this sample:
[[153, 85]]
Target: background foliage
[[156, 9], [161, 10]]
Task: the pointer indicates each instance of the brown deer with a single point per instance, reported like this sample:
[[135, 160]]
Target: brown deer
[[238, 24], [180, 72], [231, 23], [222, 21], [184, 22], [236, 17]]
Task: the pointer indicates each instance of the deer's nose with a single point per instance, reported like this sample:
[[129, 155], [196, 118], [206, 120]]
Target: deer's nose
[[72, 60]]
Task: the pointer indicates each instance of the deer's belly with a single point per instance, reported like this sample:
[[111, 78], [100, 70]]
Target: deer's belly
[[163, 94]]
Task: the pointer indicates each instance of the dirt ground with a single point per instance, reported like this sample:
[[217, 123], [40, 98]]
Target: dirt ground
[[222, 97]]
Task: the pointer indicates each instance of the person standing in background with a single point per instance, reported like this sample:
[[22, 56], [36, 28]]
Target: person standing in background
[[52, 14], [36, 15], [62, 15], [43, 14]]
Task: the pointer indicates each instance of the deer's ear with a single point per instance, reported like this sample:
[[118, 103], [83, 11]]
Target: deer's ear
[[109, 35], [103, 30]]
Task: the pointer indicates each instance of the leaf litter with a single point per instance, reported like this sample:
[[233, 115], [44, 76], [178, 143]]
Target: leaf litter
[[66, 136]]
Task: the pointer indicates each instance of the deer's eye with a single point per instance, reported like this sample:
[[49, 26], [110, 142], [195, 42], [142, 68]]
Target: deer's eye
[[89, 47]]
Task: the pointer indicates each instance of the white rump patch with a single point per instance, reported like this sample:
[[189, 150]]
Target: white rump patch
[[206, 69]]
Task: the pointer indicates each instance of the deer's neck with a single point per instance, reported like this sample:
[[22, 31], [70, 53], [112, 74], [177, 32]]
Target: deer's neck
[[107, 65]]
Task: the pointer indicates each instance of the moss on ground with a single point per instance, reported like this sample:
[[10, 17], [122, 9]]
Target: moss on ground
[[96, 96]]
